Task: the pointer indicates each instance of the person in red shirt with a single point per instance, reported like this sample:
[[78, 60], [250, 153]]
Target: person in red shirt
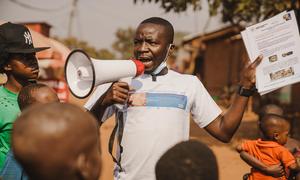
[[269, 148]]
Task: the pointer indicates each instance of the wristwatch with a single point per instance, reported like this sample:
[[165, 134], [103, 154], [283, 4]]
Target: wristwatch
[[246, 92]]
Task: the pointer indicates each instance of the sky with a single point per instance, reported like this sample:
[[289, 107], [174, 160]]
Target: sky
[[96, 21]]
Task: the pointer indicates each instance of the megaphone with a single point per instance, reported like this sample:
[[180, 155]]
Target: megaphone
[[83, 73]]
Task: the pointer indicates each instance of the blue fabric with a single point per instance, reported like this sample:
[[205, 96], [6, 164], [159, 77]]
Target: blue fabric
[[11, 169], [166, 100]]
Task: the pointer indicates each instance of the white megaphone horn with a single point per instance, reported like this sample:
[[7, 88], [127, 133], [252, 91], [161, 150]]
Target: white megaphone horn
[[83, 73]]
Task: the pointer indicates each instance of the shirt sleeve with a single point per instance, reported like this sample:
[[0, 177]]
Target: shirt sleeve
[[204, 109], [287, 158], [99, 91], [246, 145]]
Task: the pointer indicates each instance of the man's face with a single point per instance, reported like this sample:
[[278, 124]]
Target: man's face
[[24, 66], [151, 45]]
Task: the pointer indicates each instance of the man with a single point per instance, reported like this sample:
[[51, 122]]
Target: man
[[57, 141], [19, 63], [156, 116], [188, 160]]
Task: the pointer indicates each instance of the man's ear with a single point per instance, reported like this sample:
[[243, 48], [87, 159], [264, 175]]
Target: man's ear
[[172, 46], [82, 166]]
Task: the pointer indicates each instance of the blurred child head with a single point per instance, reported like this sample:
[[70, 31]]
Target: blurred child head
[[190, 160], [36, 93], [57, 141], [271, 109], [275, 128]]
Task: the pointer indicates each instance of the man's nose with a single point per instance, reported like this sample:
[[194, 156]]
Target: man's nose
[[144, 47]]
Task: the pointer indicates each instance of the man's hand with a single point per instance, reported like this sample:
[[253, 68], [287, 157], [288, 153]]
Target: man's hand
[[117, 93], [248, 74]]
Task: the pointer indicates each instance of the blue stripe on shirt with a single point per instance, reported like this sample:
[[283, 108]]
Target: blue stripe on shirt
[[166, 100]]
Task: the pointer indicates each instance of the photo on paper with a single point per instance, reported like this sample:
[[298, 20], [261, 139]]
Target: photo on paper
[[273, 58], [287, 53], [287, 17], [283, 73]]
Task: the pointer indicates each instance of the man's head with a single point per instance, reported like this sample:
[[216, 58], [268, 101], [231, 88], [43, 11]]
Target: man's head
[[275, 128], [36, 93], [57, 141], [17, 54], [190, 160], [152, 41]]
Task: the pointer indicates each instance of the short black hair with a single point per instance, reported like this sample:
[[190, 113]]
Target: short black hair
[[270, 109], [271, 123], [25, 95], [164, 23], [189, 160]]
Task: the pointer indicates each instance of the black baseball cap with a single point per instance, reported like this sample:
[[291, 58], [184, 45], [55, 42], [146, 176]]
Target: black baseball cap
[[16, 38]]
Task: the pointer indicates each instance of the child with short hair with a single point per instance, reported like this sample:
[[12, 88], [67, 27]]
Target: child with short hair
[[57, 141], [36, 93], [269, 149], [29, 95], [187, 160]]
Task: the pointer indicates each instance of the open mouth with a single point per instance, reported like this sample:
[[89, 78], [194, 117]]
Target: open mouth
[[147, 62]]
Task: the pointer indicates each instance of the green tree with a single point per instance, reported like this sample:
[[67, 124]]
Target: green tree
[[106, 54], [122, 46], [74, 43], [233, 11], [124, 43]]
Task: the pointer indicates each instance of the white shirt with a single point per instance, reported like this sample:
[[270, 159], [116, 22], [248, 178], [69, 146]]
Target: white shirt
[[158, 119]]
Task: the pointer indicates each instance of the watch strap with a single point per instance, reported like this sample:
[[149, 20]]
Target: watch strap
[[242, 91]]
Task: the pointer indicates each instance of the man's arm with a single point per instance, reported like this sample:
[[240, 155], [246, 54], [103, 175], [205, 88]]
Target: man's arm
[[224, 126], [117, 93]]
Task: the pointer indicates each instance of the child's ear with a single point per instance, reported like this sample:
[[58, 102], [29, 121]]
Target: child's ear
[[276, 136]]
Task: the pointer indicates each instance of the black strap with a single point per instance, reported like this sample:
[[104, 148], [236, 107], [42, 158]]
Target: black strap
[[161, 73], [120, 125]]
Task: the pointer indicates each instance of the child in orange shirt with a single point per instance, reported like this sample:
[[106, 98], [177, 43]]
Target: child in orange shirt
[[269, 149]]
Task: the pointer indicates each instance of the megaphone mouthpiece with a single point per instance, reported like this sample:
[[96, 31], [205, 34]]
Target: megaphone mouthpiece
[[140, 68]]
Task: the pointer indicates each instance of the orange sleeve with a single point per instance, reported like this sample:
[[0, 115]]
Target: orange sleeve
[[245, 145], [287, 158]]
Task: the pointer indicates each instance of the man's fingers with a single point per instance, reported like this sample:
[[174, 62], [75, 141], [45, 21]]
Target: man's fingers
[[121, 84], [257, 61], [121, 87]]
